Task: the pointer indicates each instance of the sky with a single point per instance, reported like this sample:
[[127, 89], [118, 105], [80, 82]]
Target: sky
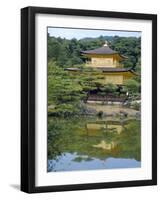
[[70, 33]]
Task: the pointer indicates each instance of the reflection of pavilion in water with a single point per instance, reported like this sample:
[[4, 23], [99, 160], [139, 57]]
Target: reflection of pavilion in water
[[114, 127], [94, 141], [105, 126]]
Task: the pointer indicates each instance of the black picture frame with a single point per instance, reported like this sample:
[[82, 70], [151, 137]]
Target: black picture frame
[[28, 98]]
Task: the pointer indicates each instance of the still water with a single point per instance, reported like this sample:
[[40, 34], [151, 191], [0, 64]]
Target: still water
[[92, 143]]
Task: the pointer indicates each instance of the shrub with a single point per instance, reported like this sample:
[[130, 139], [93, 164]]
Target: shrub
[[132, 86], [100, 114]]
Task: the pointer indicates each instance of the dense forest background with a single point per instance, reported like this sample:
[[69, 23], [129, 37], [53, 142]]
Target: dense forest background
[[67, 53]]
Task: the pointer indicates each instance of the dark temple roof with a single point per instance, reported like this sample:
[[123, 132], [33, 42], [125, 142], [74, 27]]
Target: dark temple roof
[[112, 69], [104, 50], [107, 69]]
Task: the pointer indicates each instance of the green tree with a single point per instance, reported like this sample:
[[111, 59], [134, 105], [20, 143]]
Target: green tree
[[67, 91], [109, 88], [132, 86], [64, 92]]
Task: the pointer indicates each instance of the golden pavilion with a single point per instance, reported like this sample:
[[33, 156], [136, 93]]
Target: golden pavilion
[[109, 63]]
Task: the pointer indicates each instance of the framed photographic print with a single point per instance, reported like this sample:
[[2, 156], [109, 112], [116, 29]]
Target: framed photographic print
[[88, 99]]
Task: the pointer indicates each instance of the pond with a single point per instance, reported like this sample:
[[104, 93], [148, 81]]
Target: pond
[[86, 143]]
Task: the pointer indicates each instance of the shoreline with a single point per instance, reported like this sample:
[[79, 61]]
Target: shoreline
[[113, 109]]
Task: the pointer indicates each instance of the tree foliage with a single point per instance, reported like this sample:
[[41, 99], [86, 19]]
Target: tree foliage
[[66, 91], [132, 86]]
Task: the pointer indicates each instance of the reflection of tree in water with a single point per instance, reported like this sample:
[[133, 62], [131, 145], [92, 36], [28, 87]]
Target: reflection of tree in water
[[93, 138], [82, 158]]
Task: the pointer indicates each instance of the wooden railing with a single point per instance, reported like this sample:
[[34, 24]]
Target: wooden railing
[[106, 98]]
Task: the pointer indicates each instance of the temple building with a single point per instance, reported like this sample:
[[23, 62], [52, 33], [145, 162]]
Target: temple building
[[108, 62]]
